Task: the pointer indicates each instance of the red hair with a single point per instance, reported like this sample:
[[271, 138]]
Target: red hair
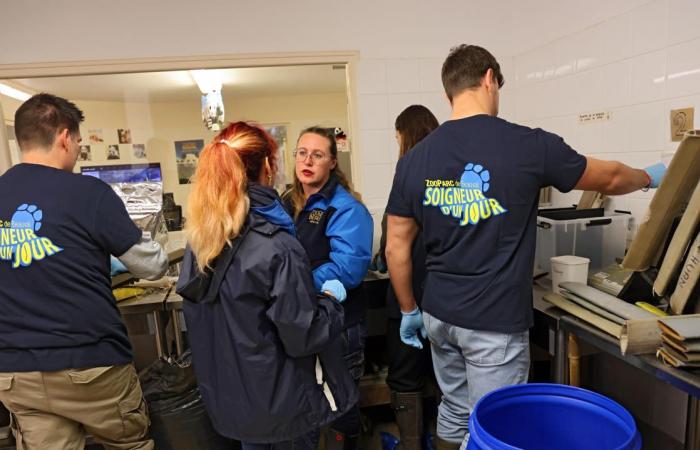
[[218, 204]]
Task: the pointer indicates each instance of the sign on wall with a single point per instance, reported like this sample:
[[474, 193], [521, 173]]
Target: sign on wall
[[187, 158], [681, 121]]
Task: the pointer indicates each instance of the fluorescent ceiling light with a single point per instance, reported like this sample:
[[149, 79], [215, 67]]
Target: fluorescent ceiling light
[[14, 93], [207, 80]]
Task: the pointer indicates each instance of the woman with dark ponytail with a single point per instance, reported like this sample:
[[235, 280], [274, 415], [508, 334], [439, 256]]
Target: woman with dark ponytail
[[409, 366], [265, 341]]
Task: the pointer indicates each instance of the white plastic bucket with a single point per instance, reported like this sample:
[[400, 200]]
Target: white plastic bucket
[[568, 268]]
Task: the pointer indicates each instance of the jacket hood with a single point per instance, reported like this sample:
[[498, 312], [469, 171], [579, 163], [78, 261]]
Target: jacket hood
[[266, 204]]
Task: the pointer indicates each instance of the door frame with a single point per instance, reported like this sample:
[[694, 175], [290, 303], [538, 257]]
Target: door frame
[[132, 65]]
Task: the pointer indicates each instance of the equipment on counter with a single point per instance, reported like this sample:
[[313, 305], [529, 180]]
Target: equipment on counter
[[635, 327], [588, 233], [681, 341], [140, 186], [682, 237]]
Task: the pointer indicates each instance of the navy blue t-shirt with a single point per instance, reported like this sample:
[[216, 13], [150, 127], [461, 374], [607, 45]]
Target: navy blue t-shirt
[[473, 187], [57, 311]]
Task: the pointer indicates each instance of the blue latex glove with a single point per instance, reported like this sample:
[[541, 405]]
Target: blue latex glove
[[116, 266], [656, 173], [336, 289], [411, 324]]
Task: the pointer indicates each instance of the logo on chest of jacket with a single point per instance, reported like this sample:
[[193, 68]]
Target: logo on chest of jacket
[[315, 216]]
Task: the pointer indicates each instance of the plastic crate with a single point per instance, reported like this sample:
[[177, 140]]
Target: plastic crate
[[600, 238]]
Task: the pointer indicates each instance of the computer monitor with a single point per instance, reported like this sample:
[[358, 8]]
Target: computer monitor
[[125, 173], [168, 200]]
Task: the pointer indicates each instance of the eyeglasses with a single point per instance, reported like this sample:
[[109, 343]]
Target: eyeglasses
[[301, 154]]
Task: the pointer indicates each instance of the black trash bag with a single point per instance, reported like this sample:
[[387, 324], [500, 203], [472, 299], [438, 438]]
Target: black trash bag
[[179, 419], [4, 416]]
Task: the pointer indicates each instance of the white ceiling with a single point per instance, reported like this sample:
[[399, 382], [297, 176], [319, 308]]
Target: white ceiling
[[179, 85]]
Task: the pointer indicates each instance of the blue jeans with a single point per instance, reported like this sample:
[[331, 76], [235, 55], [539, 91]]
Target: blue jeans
[[307, 442], [469, 364]]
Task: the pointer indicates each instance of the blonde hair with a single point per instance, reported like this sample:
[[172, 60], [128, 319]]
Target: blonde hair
[[218, 205], [295, 195]]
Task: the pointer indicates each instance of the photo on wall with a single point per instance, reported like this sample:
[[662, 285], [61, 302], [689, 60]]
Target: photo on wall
[[113, 151], [84, 154], [140, 151], [95, 136], [124, 136], [187, 157]]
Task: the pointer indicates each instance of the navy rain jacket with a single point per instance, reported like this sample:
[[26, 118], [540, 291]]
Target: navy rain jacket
[[266, 348], [336, 231]]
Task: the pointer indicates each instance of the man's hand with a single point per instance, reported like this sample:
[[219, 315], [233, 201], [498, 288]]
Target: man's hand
[[656, 174], [116, 266], [335, 289], [411, 324]]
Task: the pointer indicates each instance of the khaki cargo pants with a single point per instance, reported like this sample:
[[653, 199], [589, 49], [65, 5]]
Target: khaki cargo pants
[[53, 410]]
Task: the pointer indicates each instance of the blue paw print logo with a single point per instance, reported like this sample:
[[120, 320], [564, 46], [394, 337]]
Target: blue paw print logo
[[475, 177], [27, 217]]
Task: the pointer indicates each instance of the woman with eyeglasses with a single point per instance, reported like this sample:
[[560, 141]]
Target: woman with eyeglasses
[[336, 231], [266, 348]]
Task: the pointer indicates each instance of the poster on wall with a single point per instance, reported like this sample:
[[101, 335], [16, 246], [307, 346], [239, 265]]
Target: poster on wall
[[113, 151], [124, 136], [139, 151], [341, 139], [187, 157], [279, 134], [95, 136], [85, 154]]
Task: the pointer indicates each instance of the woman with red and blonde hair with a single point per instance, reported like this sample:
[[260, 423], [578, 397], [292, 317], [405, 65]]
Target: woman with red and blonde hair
[[265, 343]]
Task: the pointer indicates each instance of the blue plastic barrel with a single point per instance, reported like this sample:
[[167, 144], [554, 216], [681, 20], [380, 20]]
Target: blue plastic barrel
[[550, 417]]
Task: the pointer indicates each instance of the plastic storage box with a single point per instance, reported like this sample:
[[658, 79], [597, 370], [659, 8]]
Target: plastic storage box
[[587, 232]]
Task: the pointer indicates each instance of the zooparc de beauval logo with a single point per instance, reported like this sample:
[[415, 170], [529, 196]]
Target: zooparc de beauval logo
[[464, 199], [19, 242]]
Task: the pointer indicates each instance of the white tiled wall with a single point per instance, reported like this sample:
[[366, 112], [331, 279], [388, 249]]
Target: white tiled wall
[[637, 65], [385, 87], [401, 46]]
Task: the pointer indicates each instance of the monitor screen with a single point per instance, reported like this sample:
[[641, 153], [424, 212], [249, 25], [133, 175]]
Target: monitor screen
[[124, 173]]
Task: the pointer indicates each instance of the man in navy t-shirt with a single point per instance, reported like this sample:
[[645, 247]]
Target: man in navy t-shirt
[[472, 186], [65, 358]]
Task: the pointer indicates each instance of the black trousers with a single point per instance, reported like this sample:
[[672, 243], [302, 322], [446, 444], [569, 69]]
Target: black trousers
[[409, 367], [354, 339]]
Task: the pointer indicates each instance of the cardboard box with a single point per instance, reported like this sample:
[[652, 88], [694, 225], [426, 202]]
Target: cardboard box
[[679, 244], [669, 200]]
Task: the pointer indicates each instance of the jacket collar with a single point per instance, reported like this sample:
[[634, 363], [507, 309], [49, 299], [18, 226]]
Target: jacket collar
[[268, 214], [326, 192]]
